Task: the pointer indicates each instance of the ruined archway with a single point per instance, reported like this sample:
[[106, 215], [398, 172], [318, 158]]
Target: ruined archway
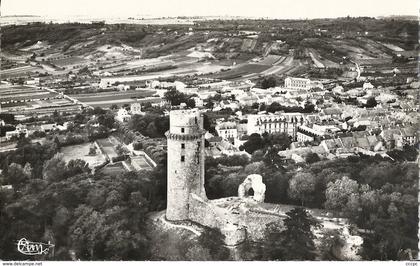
[[254, 184]]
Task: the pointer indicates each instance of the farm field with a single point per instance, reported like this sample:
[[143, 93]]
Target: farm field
[[75, 60], [241, 71], [113, 96], [38, 103], [19, 93], [6, 90], [287, 64], [29, 96], [373, 61], [393, 47], [321, 62], [81, 151], [109, 103], [271, 60], [18, 71]]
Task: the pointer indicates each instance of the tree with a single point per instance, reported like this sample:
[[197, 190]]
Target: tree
[[371, 102], [255, 142], [213, 240], [296, 242], [77, 166], [55, 169], [190, 103], [79, 118], [27, 170], [312, 158], [302, 187], [272, 158], [280, 140], [309, 107], [106, 120], [16, 175], [276, 181], [176, 97], [331, 244], [97, 132], [87, 232], [150, 125], [269, 82], [338, 193], [97, 111], [92, 150]]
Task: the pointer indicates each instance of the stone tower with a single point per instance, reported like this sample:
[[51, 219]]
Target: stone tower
[[185, 162]]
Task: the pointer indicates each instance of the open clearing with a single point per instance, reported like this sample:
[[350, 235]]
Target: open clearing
[[81, 151]]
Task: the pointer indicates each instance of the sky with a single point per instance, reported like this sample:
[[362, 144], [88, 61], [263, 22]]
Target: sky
[[159, 8]]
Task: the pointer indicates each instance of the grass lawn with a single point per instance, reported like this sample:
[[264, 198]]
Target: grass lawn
[[81, 151]]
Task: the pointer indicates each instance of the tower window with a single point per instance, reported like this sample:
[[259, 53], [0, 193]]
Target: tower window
[[182, 130], [182, 145], [182, 158]]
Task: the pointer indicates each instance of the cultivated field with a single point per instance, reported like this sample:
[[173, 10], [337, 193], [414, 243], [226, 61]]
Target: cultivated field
[[242, 71], [271, 60], [75, 60], [20, 71], [16, 93], [321, 62], [106, 99]]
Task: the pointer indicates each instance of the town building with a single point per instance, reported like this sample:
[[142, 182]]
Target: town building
[[135, 109], [297, 83], [20, 130], [307, 134], [227, 130], [277, 123], [123, 115]]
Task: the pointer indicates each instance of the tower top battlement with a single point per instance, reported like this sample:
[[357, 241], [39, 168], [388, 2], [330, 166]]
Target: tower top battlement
[[185, 121]]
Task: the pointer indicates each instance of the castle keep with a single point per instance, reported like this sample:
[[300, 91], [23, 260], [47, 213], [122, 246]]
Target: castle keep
[[185, 162]]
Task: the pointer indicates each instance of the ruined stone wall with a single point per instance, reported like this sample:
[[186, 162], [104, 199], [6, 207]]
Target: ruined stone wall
[[202, 212], [208, 214]]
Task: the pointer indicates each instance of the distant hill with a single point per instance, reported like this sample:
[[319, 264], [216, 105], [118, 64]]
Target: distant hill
[[400, 17]]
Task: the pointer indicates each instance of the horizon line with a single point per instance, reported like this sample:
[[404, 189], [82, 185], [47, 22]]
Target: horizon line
[[146, 16]]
